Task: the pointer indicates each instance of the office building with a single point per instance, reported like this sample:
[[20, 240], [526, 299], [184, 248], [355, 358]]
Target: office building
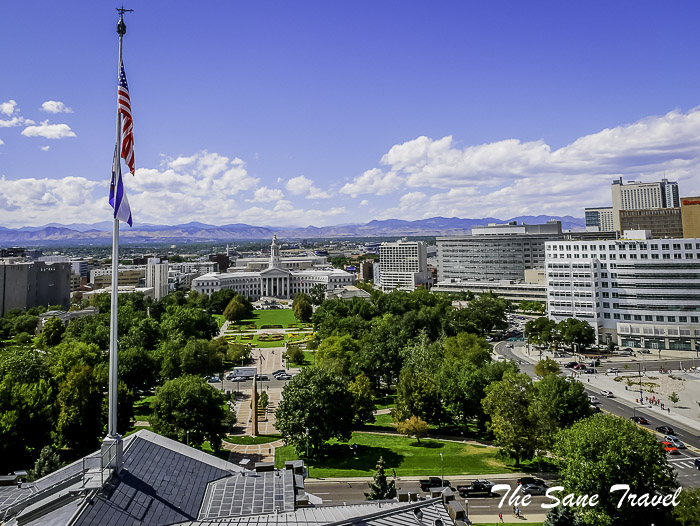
[[495, 252], [690, 216], [275, 281], [642, 196], [132, 276], [157, 277], [637, 291], [661, 222], [600, 219], [404, 265], [29, 284]]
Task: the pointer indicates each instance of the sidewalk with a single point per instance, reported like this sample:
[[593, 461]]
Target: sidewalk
[[686, 385]]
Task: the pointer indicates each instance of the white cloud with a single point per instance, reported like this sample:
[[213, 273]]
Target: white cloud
[[46, 148], [266, 195], [48, 131], [373, 181], [55, 106], [2, 142], [364, 202], [9, 107], [302, 185], [9, 123]]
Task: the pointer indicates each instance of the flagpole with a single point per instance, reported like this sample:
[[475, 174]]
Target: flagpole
[[113, 324]]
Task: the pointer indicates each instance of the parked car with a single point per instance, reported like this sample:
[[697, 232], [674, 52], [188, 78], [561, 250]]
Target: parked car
[[675, 441], [644, 351], [613, 370], [594, 400], [534, 489], [666, 430], [607, 394], [639, 420], [697, 463], [433, 482], [278, 371], [596, 409], [261, 377]]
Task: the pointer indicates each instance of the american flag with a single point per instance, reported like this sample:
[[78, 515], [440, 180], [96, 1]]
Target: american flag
[[127, 122]]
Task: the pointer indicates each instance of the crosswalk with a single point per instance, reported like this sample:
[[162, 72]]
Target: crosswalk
[[682, 463]]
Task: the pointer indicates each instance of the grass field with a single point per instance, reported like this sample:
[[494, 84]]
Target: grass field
[[142, 409], [219, 319], [403, 454], [383, 422], [271, 317]]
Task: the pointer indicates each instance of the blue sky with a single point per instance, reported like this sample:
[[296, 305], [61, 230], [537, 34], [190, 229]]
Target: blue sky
[[282, 113]]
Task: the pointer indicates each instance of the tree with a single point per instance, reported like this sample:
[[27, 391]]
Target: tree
[[531, 306], [318, 293], [303, 310], [508, 404], [555, 405], [674, 398], [469, 347], [236, 310], [316, 400], [577, 333], [295, 354], [138, 369], [25, 323], [263, 400], [337, 353], [220, 299], [541, 331], [687, 513], [546, 366], [483, 314], [52, 332], [200, 357], [48, 462], [80, 425], [413, 426], [188, 409], [562, 516], [363, 399], [181, 322], [418, 393], [599, 451], [380, 489]]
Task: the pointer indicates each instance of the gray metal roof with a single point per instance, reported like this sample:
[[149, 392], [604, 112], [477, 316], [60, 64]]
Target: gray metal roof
[[249, 493], [371, 514]]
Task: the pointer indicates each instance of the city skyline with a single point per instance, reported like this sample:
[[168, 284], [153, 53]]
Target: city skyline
[[328, 114]]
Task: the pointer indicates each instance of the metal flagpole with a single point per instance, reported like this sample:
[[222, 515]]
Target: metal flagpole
[[112, 445]]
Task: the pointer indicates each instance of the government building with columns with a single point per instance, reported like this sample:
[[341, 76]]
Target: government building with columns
[[275, 281]]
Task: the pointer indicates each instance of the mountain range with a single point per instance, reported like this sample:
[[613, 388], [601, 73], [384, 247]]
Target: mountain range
[[193, 232]]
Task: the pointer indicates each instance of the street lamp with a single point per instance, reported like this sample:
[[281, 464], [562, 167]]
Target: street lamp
[[307, 444], [442, 469]]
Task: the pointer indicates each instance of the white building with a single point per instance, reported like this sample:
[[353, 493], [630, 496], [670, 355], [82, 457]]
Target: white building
[[637, 291], [157, 277], [642, 196], [274, 281], [403, 264]]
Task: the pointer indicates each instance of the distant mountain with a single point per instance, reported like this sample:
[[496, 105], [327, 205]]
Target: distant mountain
[[101, 233]]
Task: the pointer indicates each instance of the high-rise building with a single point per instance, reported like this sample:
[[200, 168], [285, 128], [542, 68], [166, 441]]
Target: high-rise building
[[495, 252], [29, 284], [642, 196], [157, 277], [637, 291], [404, 265]]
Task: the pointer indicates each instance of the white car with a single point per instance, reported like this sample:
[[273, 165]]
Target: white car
[[594, 399], [607, 394], [675, 441]]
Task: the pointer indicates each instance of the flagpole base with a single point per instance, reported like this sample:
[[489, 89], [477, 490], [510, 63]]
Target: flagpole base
[[112, 453]]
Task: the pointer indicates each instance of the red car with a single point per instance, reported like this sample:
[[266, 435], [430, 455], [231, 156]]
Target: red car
[[670, 448], [580, 366]]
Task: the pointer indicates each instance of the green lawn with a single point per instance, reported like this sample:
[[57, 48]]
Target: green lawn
[[248, 440], [309, 359], [385, 401], [383, 422], [271, 317], [219, 319], [142, 408], [403, 454]]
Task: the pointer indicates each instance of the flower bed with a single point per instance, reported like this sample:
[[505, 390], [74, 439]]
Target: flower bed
[[272, 327], [270, 337]]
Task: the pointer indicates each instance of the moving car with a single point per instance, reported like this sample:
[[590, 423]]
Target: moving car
[[607, 394], [571, 365], [639, 420], [666, 430], [594, 399], [534, 489], [433, 482], [477, 486], [675, 441], [524, 481], [580, 366], [670, 448], [613, 370]]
